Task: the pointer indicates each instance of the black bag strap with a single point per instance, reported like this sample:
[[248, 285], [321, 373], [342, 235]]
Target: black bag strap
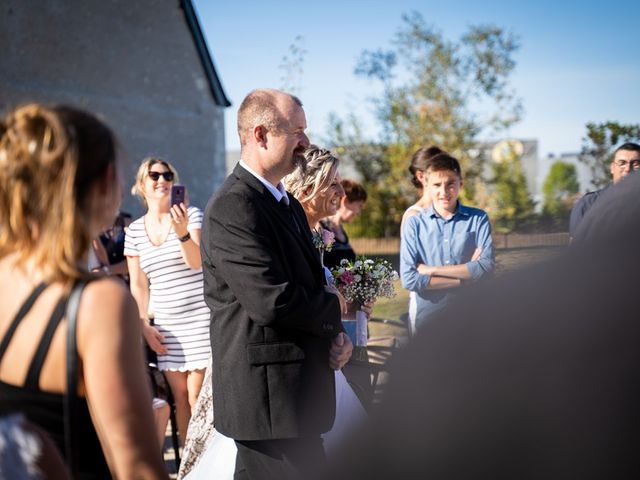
[[71, 395]]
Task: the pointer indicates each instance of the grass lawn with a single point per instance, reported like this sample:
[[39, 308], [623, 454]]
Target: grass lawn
[[391, 309]]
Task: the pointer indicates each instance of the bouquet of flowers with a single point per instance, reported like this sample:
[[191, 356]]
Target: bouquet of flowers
[[363, 281], [323, 240]]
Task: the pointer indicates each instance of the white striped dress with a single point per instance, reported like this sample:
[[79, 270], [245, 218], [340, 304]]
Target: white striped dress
[[176, 294]]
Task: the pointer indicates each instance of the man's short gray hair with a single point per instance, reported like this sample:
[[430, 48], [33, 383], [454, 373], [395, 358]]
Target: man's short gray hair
[[260, 107]]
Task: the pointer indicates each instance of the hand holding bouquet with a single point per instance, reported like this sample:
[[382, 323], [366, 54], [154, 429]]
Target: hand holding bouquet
[[363, 282]]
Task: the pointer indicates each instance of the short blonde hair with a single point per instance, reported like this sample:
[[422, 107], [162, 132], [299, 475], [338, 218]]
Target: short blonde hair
[[315, 176], [51, 158], [143, 172]]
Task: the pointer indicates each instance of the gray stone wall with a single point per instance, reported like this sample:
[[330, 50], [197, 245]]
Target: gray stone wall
[[134, 64]]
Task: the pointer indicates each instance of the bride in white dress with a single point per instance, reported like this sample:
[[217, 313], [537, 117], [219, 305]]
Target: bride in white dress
[[319, 191], [208, 453]]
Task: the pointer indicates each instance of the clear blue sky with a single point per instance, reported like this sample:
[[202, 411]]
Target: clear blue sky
[[578, 60]]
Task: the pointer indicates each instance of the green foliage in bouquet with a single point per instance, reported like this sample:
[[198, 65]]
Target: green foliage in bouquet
[[365, 280]]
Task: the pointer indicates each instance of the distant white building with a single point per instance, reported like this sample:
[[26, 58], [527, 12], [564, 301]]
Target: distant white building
[[527, 150], [535, 168]]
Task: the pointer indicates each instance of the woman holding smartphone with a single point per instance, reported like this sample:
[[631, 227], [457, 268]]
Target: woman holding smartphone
[[163, 254]]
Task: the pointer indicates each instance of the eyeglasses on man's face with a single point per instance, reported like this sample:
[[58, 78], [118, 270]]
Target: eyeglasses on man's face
[[155, 176], [632, 164]]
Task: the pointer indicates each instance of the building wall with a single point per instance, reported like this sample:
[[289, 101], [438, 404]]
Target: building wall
[[134, 64]]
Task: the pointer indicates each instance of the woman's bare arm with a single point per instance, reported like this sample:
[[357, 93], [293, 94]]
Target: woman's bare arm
[[139, 285], [190, 248], [116, 381]]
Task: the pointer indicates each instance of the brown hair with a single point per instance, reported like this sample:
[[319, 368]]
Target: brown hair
[[420, 160], [143, 172], [50, 159], [628, 147], [444, 161], [315, 177], [353, 191]]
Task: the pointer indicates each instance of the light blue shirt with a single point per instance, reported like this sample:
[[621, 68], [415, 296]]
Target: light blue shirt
[[430, 239]]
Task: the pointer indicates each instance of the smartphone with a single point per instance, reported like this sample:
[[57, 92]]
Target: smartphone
[[177, 194]]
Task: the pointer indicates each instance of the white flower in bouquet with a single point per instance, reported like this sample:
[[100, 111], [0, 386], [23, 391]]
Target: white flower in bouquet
[[365, 280]]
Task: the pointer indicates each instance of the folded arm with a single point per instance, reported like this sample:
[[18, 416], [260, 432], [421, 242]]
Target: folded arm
[[455, 272], [418, 276], [414, 273], [410, 258]]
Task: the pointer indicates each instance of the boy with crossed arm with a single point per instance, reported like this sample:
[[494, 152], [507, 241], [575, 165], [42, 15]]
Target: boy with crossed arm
[[446, 244]]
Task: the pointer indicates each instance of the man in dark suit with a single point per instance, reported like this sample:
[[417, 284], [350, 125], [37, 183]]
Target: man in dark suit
[[275, 327]]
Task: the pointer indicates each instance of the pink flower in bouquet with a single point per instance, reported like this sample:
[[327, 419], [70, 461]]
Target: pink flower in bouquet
[[347, 277]]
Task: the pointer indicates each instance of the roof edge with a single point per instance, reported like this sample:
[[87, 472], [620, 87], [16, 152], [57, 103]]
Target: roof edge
[[215, 86]]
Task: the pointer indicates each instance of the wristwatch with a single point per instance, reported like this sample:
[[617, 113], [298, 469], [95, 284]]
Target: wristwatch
[[185, 238]]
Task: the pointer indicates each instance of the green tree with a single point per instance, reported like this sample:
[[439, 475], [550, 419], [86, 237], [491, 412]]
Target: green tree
[[559, 190], [380, 216], [599, 144], [432, 89], [510, 206]]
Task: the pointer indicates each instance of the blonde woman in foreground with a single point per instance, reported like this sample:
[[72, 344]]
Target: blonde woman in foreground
[[59, 187]]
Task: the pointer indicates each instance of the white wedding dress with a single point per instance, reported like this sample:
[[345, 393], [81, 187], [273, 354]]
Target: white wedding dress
[[208, 454], [350, 414]]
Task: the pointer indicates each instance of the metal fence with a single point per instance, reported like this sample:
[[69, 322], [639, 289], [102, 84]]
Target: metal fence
[[391, 246]]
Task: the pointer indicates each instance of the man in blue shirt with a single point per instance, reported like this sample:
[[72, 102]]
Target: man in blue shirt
[[446, 244]]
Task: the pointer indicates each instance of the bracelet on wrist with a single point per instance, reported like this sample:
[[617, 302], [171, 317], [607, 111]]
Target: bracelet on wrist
[[185, 237]]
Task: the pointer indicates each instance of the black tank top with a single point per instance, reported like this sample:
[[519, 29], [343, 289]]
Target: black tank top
[[45, 409]]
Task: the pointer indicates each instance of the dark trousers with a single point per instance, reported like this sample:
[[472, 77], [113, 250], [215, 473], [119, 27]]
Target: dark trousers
[[288, 459]]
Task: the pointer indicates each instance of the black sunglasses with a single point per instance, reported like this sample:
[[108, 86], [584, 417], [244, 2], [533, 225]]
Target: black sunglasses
[[155, 176]]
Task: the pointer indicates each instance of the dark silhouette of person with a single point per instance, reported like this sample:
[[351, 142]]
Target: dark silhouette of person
[[532, 375]]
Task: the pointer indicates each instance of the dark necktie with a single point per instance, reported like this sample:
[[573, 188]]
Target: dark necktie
[[287, 208]]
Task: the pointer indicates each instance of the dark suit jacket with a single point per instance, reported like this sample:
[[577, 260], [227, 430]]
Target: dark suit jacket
[[271, 320]]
